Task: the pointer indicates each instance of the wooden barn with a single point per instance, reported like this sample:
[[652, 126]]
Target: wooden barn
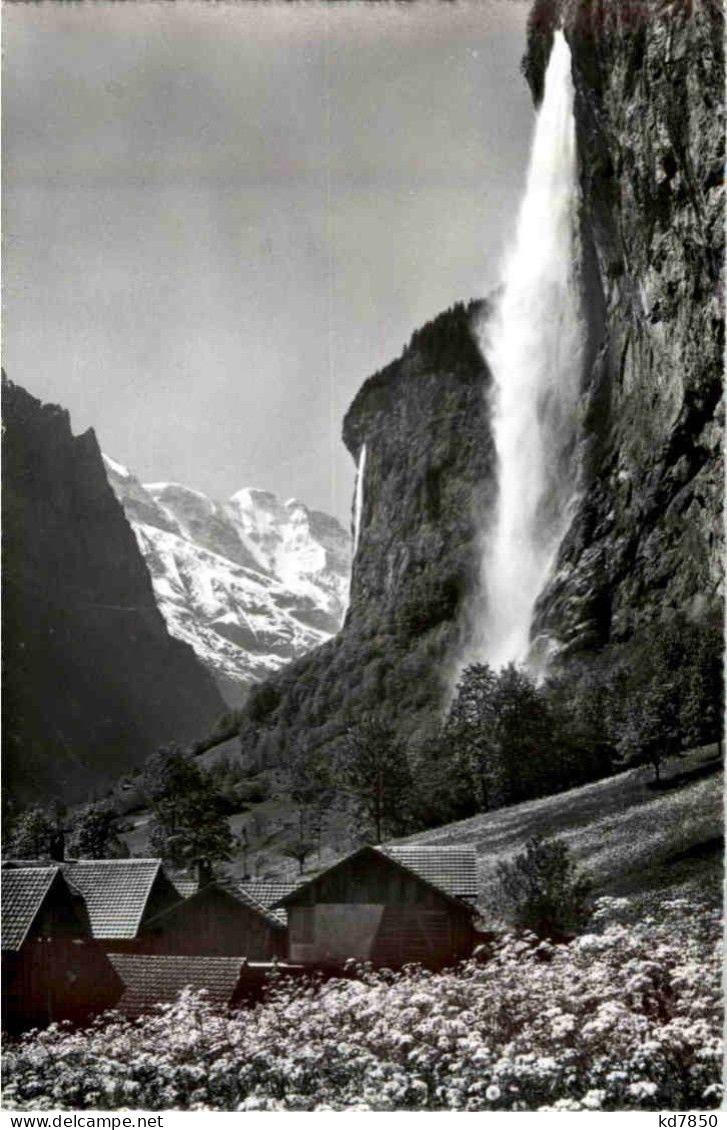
[[219, 919], [52, 968], [389, 906]]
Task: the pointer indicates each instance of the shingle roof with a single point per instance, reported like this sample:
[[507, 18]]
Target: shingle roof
[[452, 869], [444, 870], [116, 892], [156, 979], [267, 892], [185, 886], [229, 887], [23, 892]]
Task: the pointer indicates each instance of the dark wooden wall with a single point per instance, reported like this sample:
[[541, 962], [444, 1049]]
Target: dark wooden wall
[[52, 979], [211, 923], [369, 909]]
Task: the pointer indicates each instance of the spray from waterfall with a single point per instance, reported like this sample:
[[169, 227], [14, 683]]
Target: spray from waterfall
[[534, 346]]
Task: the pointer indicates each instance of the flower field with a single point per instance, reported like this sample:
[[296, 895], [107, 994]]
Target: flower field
[[627, 1016]]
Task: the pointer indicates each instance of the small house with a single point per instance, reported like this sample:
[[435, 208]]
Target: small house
[[386, 905], [219, 919], [52, 968]]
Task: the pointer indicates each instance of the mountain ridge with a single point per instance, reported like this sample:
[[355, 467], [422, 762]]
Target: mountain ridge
[[92, 681], [249, 583]]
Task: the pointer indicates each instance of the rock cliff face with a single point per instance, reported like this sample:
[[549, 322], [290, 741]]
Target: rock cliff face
[[427, 483], [249, 584], [427, 486], [92, 681], [647, 535]]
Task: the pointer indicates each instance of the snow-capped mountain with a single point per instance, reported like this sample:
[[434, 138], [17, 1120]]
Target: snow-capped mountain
[[250, 583]]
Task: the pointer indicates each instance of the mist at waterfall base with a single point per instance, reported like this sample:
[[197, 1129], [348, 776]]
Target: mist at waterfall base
[[534, 346]]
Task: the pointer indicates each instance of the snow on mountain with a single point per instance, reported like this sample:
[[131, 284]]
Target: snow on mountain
[[250, 583]]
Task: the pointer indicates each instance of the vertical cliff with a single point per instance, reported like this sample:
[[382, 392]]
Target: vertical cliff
[[92, 681], [427, 479], [427, 485], [647, 534]]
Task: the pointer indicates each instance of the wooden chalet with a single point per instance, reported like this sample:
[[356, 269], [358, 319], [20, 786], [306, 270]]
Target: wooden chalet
[[387, 905], [52, 967], [219, 919]]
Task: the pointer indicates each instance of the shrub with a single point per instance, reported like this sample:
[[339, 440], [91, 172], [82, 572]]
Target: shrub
[[544, 891]]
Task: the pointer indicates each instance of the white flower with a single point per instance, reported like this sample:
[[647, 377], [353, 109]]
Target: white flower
[[642, 1089], [492, 1093]]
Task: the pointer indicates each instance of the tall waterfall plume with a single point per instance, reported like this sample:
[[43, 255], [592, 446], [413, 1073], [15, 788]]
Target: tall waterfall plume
[[534, 346], [358, 496]]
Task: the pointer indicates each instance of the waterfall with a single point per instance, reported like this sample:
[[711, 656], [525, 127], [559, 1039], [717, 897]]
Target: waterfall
[[357, 508], [534, 346], [358, 498]]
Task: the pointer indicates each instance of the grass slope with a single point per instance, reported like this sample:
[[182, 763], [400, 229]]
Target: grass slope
[[634, 838]]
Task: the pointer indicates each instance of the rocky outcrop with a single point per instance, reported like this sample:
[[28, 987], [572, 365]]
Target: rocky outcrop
[[249, 584], [92, 681], [647, 533], [426, 489], [427, 478]]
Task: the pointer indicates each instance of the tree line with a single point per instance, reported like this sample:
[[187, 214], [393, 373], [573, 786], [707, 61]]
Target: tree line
[[506, 738]]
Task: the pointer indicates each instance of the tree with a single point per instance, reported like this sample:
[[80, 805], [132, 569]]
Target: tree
[[702, 698], [640, 738], [190, 823], [377, 774], [94, 833], [469, 734], [36, 833], [501, 734], [544, 891], [440, 792], [524, 737], [308, 779], [580, 708], [299, 850]]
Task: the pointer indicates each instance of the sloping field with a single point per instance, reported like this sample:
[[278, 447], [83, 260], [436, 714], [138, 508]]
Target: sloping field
[[634, 838]]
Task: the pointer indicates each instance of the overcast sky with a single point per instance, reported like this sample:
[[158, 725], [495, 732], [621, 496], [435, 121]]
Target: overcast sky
[[220, 219]]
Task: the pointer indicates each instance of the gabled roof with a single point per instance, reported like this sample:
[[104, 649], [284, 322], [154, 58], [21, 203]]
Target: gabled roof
[[184, 885], [268, 892], [157, 979], [23, 892], [116, 892], [274, 917], [453, 869], [228, 887], [376, 852]]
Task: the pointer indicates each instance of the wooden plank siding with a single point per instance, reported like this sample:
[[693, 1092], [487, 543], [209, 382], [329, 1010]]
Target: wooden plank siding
[[369, 908], [59, 972], [212, 923]]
